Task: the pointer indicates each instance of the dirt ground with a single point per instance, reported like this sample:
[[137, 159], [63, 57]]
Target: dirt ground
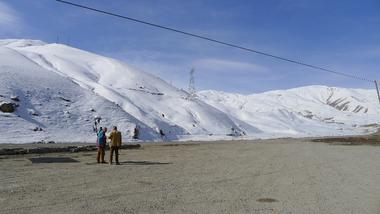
[[268, 176]]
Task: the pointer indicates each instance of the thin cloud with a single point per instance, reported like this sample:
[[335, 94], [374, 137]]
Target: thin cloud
[[10, 20], [222, 65]]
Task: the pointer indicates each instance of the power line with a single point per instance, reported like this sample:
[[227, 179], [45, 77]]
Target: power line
[[218, 41]]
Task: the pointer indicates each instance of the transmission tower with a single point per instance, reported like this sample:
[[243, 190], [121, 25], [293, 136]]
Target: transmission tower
[[192, 92]]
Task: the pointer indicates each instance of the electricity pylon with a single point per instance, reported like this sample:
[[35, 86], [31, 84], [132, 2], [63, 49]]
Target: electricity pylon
[[192, 92]]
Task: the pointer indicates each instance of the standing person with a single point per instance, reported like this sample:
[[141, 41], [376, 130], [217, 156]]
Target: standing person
[[101, 143], [115, 144], [136, 132]]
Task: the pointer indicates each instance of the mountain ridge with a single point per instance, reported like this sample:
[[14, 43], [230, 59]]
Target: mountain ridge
[[134, 97]]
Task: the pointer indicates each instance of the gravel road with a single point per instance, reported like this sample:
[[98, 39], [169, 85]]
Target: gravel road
[[271, 176]]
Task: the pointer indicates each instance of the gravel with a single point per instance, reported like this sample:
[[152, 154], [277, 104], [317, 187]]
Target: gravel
[[267, 176]]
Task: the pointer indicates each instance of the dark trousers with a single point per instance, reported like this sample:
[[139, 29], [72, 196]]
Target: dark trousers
[[116, 150], [100, 155]]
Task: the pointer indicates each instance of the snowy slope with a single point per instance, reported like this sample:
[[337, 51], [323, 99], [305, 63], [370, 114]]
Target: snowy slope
[[61, 89], [57, 105], [150, 101], [305, 111]]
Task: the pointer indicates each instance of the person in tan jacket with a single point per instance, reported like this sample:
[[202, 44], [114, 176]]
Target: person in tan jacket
[[115, 144]]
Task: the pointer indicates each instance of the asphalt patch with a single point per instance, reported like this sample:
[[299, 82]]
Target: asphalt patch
[[266, 200], [144, 163], [53, 160]]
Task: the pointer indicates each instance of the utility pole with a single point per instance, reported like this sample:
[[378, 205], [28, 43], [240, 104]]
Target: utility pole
[[377, 90]]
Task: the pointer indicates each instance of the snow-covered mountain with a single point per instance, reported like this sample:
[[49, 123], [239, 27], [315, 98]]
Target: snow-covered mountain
[[305, 111], [60, 90]]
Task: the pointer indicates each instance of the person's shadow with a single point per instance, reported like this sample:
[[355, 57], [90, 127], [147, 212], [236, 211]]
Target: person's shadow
[[143, 163]]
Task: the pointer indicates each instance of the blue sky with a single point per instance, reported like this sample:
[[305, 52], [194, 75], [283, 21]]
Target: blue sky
[[340, 35]]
